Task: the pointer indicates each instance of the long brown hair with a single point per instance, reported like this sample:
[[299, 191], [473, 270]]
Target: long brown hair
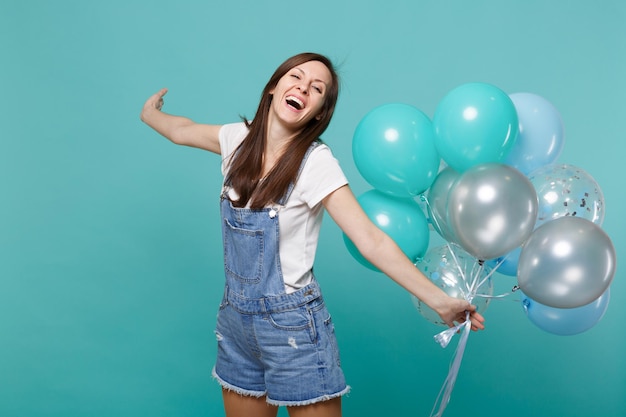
[[247, 161]]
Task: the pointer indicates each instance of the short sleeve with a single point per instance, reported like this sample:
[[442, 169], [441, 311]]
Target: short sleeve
[[230, 136], [320, 176]]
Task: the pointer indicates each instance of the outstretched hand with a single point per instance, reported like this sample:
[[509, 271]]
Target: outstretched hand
[[155, 101]]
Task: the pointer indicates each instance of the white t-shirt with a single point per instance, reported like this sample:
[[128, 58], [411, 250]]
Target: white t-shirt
[[301, 218]]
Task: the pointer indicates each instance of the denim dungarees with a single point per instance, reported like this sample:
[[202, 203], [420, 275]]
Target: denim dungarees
[[271, 343]]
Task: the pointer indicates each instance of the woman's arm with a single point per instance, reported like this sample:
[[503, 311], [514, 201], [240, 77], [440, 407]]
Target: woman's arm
[[179, 130], [378, 248]]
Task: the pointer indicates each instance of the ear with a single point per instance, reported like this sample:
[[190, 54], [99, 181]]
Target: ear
[[318, 117]]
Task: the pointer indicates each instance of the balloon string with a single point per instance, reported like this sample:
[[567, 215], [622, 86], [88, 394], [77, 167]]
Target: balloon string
[[473, 288], [446, 390], [506, 294], [457, 263], [489, 274], [444, 337]]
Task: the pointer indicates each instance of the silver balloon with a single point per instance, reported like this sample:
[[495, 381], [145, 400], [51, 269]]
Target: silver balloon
[[567, 262], [566, 190], [453, 273], [438, 202], [492, 209]]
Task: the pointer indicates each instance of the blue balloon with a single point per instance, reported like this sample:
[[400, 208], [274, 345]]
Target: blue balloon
[[475, 123], [507, 264], [566, 321], [394, 150], [541, 134], [401, 219]]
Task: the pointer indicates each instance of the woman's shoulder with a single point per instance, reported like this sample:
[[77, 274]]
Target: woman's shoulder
[[321, 151], [321, 164]]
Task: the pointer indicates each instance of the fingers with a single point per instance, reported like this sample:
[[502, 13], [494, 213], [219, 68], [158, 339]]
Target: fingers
[[459, 314], [478, 316], [477, 321], [157, 98], [154, 102]]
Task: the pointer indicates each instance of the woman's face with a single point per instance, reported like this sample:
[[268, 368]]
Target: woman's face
[[299, 95]]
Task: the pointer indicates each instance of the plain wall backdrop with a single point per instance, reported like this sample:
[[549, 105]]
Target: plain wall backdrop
[[110, 251]]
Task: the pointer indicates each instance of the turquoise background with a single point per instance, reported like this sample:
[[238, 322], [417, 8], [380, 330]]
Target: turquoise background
[[110, 264]]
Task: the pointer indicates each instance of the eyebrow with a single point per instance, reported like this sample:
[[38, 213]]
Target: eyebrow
[[317, 79]]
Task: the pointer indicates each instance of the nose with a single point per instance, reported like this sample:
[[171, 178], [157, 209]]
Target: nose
[[304, 88]]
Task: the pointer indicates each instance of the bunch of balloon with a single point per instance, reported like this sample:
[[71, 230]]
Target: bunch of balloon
[[500, 202], [498, 193], [394, 150]]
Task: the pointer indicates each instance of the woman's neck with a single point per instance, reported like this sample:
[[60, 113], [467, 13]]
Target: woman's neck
[[278, 139]]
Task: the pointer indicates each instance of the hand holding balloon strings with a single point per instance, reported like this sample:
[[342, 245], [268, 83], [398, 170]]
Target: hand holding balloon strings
[[449, 264]]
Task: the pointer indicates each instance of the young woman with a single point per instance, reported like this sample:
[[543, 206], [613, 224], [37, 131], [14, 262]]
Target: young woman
[[276, 343]]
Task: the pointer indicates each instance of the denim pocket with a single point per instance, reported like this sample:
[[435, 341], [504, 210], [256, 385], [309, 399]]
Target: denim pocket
[[297, 320], [243, 253]]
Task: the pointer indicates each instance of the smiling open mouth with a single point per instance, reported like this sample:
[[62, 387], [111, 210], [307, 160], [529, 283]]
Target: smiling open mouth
[[295, 103]]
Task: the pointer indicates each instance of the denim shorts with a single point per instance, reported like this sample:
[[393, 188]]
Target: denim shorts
[[281, 347]]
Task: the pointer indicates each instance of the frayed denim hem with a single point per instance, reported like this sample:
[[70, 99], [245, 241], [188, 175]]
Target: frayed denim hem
[[327, 397], [238, 390]]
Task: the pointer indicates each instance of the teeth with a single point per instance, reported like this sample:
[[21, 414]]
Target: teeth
[[296, 100]]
